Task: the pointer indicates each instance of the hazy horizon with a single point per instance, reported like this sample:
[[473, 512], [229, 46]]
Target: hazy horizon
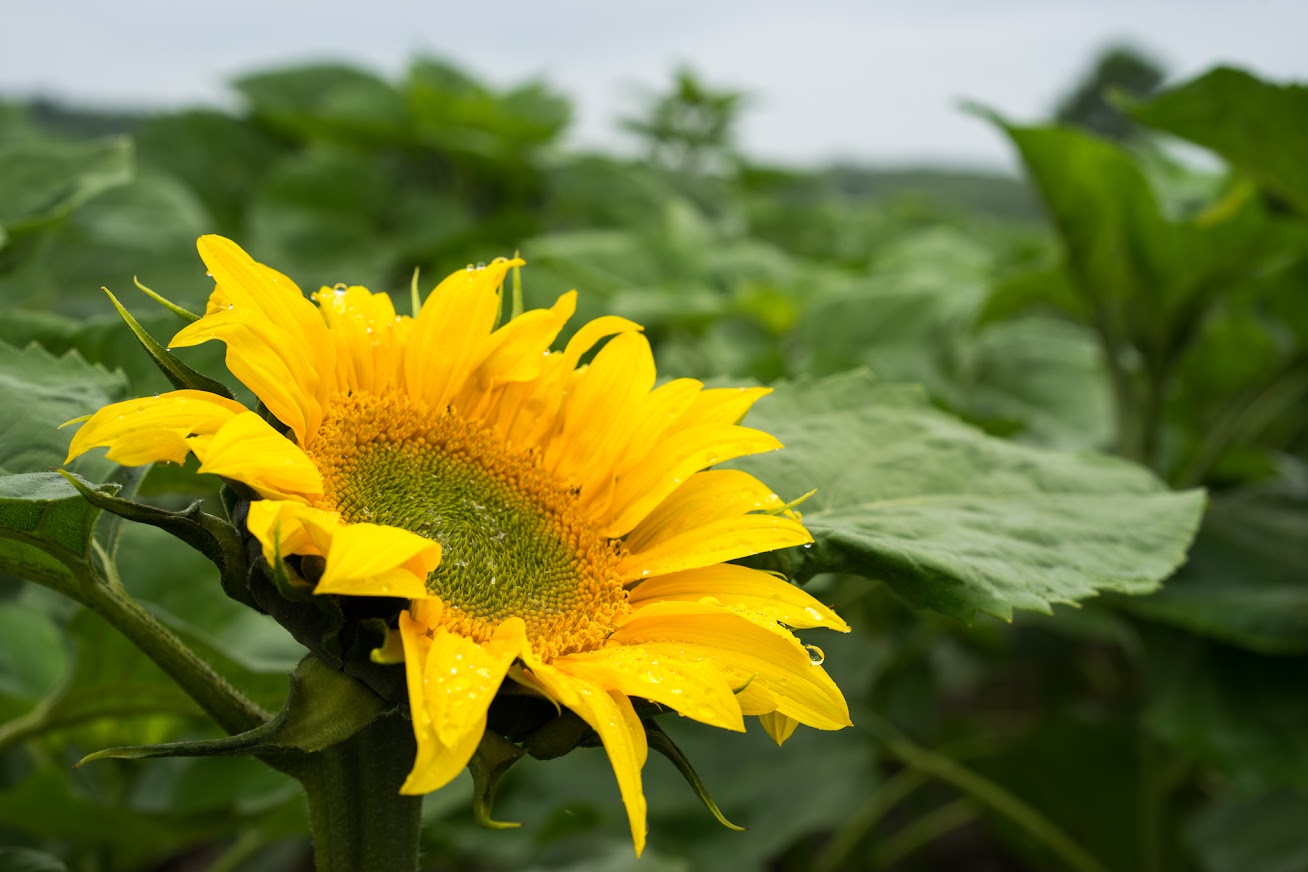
[[860, 83]]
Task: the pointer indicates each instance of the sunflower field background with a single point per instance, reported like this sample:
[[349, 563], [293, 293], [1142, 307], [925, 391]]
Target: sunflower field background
[[956, 357]]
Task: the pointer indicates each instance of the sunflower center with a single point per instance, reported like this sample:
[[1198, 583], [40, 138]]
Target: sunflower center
[[513, 540]]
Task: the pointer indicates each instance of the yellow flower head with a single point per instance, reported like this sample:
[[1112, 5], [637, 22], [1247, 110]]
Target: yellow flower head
[[531, 510]]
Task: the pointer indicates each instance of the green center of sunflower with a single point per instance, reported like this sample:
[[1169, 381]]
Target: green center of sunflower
[[513, 540]]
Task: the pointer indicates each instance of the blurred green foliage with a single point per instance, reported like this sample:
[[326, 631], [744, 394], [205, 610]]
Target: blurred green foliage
[[1161, 314]]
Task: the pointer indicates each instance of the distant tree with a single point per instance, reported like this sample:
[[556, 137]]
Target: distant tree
[[690, 130], [1118, 68]]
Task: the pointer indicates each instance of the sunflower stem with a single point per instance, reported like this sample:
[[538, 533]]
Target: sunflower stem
[[360, 820]]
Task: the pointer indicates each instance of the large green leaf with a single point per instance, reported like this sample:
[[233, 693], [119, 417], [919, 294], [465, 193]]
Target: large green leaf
[[1260, 127], [328, 101], [147, 228], [33, 659], [1240, 834], [1238, 712], [218, 157], [46, 180], [953, 519], [45, 530], [107, 691], [1245, 582], [50, 390], [1148, 277]]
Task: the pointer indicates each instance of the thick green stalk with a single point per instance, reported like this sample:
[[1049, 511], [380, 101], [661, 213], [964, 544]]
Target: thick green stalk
[[360, 820]]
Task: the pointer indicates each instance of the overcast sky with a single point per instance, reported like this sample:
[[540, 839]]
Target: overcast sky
[[872, 81]]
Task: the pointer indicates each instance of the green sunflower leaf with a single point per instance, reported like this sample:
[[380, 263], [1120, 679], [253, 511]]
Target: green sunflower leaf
[[1260, 127], [45, 529], [955, 520], [51, 390], [46, 180]]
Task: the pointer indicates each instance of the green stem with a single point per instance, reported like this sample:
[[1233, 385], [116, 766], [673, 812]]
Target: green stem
[[986, 792], [360, 820], [924, 831], [222, 702], [1128, 429], [891, 792]]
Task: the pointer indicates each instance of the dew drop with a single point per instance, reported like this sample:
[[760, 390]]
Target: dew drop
[[815, 655], [808, 544]]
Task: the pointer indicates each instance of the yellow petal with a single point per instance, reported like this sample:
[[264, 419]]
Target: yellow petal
[[602, 407], [362, 325], [450, 336], [693, 687], [459, 678], [516, 349], [739, 587], [610, 714], [722, 405], [376, 560], [706, 522], [362, 559], [153, 429], [643, 426], [592, 332], [746, 652], [249, 450], [435, 764], [268, 359], [279, 324], [778, 726], [706, 497], [463, 676], [681, 454]]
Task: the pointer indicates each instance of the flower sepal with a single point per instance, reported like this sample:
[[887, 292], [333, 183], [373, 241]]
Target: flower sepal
[[182, 376], [492, 759], [212, 536]]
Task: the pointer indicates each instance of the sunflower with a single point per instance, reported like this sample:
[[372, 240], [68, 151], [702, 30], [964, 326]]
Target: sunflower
[[542, 520]]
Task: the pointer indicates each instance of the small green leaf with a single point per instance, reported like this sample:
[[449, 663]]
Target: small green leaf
[[324, 707], [490, 762], [181, 375], [955, 520], [662, 742]]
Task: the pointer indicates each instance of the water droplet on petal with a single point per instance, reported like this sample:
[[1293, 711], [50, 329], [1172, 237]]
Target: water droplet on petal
[[815, 655]]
